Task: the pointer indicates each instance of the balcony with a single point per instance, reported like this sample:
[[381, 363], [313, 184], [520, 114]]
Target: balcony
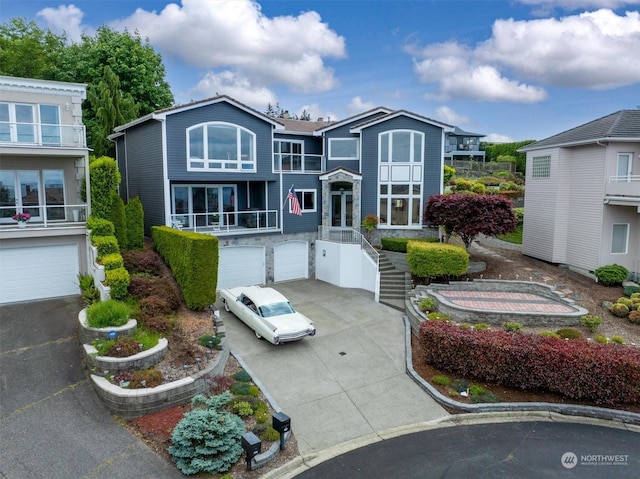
[[294, 163], [42, 135], [628, 186], [45, 220], [229, 223]]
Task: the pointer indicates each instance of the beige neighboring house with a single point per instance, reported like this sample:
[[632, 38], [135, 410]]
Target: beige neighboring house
[[582, 201], [43, 163]]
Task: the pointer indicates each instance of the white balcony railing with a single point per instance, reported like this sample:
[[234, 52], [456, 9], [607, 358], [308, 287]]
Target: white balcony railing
[[45, 216], [628, 185], [232, 222], [37, 134]]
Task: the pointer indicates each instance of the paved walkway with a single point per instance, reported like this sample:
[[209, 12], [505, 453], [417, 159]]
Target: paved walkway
[[504, 301]]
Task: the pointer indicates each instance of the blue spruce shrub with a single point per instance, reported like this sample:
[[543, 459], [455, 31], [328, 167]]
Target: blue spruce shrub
[[207, 439]]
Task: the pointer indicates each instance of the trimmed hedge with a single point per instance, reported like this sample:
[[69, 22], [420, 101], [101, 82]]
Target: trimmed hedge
[[135, 224], [119, 221], [193, 259], [579, 369], [428, 260], [399, 245], [112, 261], [99, 227], [611, 275], [105, 245], [118, 281]]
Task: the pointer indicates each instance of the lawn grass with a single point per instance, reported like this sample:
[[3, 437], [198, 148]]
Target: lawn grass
[[514, 236]]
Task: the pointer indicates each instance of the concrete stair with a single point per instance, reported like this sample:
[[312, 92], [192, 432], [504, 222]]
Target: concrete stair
[[394, 284]]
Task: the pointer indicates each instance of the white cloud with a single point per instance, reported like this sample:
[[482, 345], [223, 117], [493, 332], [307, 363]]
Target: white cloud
[[449, 116], [579, 4], [237, 87], [594, 50], [356, 105], [65, 19], [236, 35], [315, 111], [498, 138]]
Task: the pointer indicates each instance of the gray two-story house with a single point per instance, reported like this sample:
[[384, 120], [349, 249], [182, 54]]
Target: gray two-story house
[[219, 167]]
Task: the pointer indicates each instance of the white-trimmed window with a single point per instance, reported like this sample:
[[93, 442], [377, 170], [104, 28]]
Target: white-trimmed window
[[221, 146], [307, 200], [401, 146], [620, 238], [541, 167], [204, 205], [37, 192], [288, 155], [624, 167], [344, 148]]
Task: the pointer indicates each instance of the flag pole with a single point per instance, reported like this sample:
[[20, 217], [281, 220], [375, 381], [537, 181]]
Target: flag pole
[[287, 197]]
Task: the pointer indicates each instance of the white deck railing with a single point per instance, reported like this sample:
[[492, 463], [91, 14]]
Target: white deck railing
[[232, 222], [348, 236], [37, 134]]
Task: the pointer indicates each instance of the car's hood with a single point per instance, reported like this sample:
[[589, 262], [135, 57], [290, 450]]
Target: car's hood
[[290, 322]]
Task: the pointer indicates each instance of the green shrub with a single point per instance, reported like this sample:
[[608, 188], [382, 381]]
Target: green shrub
[[591, 321], [118, 281], [617, 339], [262, 417], [146, 378], [254, 390], [242, 408], [631, 290], [512, 326], [626, 301], [109, 313], [118, 219], [619, 310], [112, 261], [209, 341], [509, 186], [207, 439], [448, 172], [99, 227], [427, 304], [105, 179], [399, 245], [634, 317], [88, 290], [465, 326], [611, 275], [128, 345], [484, 396], [270, 435], [635, 295], [479, 188], [549, 334], [441, 379], [569, 333], [481, 327], [462, 185], [240, 388], [601, 339], [436, 316], [519, 213], [242, 376], [437, 260], [134, 215], [105, 245]]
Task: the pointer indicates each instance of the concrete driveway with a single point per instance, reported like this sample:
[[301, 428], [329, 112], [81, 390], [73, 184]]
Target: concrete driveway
[[52, 424], [349, 381]]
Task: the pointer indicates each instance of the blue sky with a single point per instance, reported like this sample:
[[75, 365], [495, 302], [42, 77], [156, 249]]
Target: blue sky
[[509, 69]]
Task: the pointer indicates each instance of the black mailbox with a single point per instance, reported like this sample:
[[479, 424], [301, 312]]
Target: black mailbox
[[281, 422], [251, 444]]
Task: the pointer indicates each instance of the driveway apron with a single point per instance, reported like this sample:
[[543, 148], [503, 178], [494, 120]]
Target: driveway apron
[[346, 382], [52, 425]]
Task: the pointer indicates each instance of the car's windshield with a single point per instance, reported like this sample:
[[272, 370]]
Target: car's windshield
[[276, 309]]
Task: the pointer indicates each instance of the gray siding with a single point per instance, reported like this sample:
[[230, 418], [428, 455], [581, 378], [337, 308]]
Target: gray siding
[[308, 222], [143, 174]]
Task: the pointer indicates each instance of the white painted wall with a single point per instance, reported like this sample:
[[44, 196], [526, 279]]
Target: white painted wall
[[345, 265]]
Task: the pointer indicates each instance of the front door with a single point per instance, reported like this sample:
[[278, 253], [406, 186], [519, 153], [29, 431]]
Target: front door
[[341, 209]]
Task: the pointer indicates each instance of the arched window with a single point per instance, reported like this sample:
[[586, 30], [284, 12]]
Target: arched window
[[221, 146]]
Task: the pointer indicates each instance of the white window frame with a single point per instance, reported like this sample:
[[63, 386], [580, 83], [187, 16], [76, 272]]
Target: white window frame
[[303, 208], [237, 165], [277, 165], [541, 167], [355, 140], [626, 237], [15, 126], [42, 199], [628, 158], [390, 134]]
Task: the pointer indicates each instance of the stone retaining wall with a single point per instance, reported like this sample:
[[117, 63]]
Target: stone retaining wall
[[87, 334], [141, 360]]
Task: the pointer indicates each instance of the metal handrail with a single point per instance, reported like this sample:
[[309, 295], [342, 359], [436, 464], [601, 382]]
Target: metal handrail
[[227, 222], [39, 134], [348, 236], [46, 215], [624, 178]]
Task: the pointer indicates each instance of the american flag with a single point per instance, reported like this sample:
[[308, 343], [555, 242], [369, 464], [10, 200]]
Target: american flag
[[294, 204]]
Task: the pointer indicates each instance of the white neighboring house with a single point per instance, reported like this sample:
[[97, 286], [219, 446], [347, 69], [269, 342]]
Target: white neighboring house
[[43, 163], [582, 201]]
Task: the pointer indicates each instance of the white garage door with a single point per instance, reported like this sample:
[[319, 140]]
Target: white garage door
[[291, 260], [38, 272], [240, 266]]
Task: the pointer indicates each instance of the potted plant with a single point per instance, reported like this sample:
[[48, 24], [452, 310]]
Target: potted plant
[[21, 219], [369, 223]]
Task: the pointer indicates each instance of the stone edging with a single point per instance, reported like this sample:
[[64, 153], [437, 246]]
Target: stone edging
[[141, 360], [625, 417], [88, 334]]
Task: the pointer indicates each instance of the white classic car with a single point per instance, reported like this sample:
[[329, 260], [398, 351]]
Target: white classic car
[[268, 313]]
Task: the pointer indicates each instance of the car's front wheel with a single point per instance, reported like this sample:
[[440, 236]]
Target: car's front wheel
[[257, 335], [226, 305]]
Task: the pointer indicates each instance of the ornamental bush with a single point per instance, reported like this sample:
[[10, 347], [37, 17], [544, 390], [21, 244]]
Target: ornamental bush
[[399, 245], [631, 290], [207, 439], [611, 275], [108, 313], [112, 261], [427, 304], [118, 281], [437, 260], [634, 317], [591, 321], [619, 310], [569, 333], [118, 219], [512, 326], [134, 215], [580, 369], [105, 245], [99, 226]]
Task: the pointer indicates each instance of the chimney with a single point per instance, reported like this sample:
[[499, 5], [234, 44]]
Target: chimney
[[320, 118]]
